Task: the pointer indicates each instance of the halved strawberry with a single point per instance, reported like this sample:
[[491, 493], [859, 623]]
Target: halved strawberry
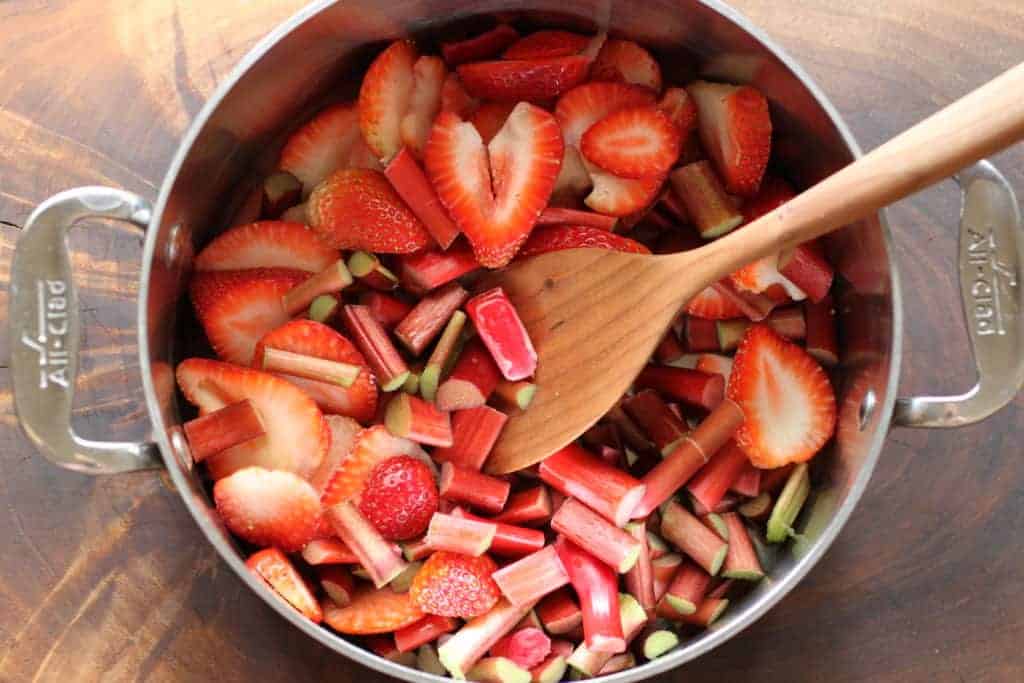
[[296, 438], [310, 338], [237, 307], [424, 103], [273, 567], [680, 108], [329, 141], [400, 497], [558, 237], [786, 397], [712, 305], [373, 446], [547, 44], [617, 196], [585, 105], [358, 209], [384, 98], [267, 244], [635, 142], [454, 585], [520, 164], [736, 129], [455, 99], [343, 437], [372, 610], [516, 80], [268, 508], [624, 60], [490, 117]]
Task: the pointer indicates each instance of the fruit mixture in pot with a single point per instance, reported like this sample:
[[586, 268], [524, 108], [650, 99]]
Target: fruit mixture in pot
[[362, 378]]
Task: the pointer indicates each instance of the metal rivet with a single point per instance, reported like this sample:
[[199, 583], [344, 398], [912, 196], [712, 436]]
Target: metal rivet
[[867, 408]]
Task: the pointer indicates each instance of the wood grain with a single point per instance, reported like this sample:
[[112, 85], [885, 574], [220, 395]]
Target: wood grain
[[109, 579]]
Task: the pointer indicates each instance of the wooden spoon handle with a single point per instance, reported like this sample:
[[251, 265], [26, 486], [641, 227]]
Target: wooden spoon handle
[[987, 120]]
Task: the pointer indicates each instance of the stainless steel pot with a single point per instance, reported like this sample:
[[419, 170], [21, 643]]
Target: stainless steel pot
[[234, 141]]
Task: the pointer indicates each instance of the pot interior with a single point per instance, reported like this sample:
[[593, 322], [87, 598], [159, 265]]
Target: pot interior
[[309, 62]]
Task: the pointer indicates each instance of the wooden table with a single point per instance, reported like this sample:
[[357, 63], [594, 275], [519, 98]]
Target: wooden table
[[109, 578]]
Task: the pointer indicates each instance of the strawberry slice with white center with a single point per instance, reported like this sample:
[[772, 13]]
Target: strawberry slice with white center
[[296, 437], [786, 397], [495, 193], [516, 80], [310, 338], [635, 142], [274, 567], [268, 507], [237, 307], [585, 105], [762, 274], [424, 102], [624, 60], [343, 439], [736, 130], [711, 304], [384, 98], [267, 244], [372, 446], [329, 141], [616, 196]]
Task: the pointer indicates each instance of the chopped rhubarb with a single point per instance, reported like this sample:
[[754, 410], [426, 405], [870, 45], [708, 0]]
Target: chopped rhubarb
[[281, 191], [275, 569], [705, 199], [658, 643], [607, 490], [427, 660], [632, 618], [460, 652], [532, 506], [412, 185], [714, 521], [379, 558], [787, 322], [527, 647], [718, 475], [669, 349], [728, 503], [371, 338], [700, 335], [402, 582], [586, 528], [307, 367], [656, 418], [509, 540], [498, 670], [664, 569], [596, 584], [371, 272], [787, 507], [484, 46], [531, 620], [424, 631], [551, 670], [427, 270], [503, 333], [741, 561], [805, 266], [773, 480], [559, 612], [328, 551], [469, 486], [460, 534], [754, 306], [474, 433], [688, 534], [471, 381], [556, 216], [530, 578], [417, 420], [323, 308], [331, 280], [748, 483], [687, 588], [443, 355], [629, 431], [416, 550], [692, 387], [427, 318], [757, 509], [708, 612], [821, 331], [515, 395], [412, 383], [337, 584], [656, 546], [220, 430], [640, 578], [386, 309]]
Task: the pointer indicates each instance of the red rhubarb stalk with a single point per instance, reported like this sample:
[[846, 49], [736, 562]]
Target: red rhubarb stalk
[[640, 578], [618, 663], [664, 569], [372, 339], [415, 419], [509, 540], [559, 612], [754, 306], [443, 355], [822, 342], [627, 430], [586, 528], [427, 318], [484, 46], [557, 216], [597, 587], [378, 557], [337, 583], [693, 387], [786, 322], [411, 184], [503, 333], [714, 521], [424, 631], [530, 578], [607, 490], [689, 535], [328, 551], [460, 652], [464, 485], [471, 381], [427, 270], [708, 612], [656, 418], [527, 647], [728, 503], [460, 534], [515, 395], [701, 192], [632, 619], [498, 670], [700, 335], [386, 309], [332, 279], [369, 270], [532, 506], [718, 475], [474, 433], [220, 430], [307, 367], [748, 483], [741, 562], [669, 349], [806, 267], [687, 589]]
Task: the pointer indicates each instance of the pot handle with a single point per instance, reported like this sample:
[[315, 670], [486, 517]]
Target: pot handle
[[44, 331], [990, 263]]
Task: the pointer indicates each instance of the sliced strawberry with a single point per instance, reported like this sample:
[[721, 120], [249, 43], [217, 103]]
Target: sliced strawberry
[[736, 129], [273, 567], [585, 105], [384, 98], [400, 497], [372, 447], [635, 142], [490, 117], [268, 508], [267, 244], [358, 209], [787, 399], [372, 610], [453, 585], [425, 101], [331, 140], [310, 338], [617, 196], [558, 237], [516, 80], [237, 307], [455, 99], [296, 438], [483, 46], [680, 108], [520, 164], [763, 274], [547, 44], [343, 437], [624, 60], [712, 305]]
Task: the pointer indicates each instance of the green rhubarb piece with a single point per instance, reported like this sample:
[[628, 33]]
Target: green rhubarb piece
[[498, 670], [397, 383], [787, 507], [717, 524], [440, 361], [658, 643], [427, 661], [402, 582], [551, 671], [412, 384], [730, 332], [323, 307]]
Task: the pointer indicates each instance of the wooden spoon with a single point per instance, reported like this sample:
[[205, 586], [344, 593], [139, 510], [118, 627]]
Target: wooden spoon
[[595, 316]]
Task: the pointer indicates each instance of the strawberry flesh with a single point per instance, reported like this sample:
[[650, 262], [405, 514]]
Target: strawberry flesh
[[532, 80], [624, 60], [331, 140], [372, 610], [384, 98], [558, 237], [277, 571], [635, 142], [454, 585], [268, 508], [547, 44], [267, 244], [400, 497]]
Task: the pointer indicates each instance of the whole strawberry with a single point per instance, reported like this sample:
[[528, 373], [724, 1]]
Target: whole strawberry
[[455, 585], [400, 497]]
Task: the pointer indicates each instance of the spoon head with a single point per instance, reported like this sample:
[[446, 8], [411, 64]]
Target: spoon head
[[595, 317]]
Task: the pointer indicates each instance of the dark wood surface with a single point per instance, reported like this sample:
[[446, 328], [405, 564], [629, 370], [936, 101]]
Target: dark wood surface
[[108, 579]]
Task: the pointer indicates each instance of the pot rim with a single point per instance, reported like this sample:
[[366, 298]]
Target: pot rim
[[711, 638]]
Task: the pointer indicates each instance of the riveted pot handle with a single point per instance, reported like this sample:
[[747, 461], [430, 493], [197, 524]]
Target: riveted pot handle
[[991, 258], [44, 331]]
